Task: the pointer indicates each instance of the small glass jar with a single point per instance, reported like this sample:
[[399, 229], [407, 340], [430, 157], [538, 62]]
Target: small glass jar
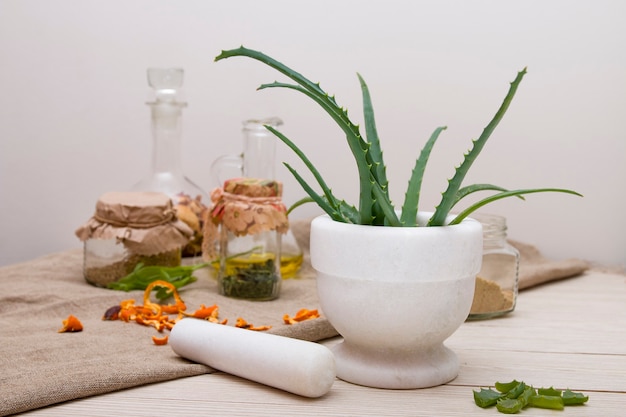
[[258, 161], [247, 221], [127, 229], [496, 284]]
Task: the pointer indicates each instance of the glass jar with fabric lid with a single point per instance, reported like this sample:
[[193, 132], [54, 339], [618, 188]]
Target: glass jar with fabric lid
[[497, 282], [247, 220], [258, 161], [127, 229]]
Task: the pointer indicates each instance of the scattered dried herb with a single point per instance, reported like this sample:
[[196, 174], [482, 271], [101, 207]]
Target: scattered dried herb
[[512, 397], [256, 281]]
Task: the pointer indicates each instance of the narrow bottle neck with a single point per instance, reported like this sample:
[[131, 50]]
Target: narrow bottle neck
[[259, 153], [494, 238], [259, 156], [167, 134], [494, 230]]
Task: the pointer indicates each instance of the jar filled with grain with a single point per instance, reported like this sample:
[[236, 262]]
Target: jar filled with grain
[[244, 235], [496, 284], [127, 229]]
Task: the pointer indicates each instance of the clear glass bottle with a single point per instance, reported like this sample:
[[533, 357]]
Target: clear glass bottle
[[129, 228], [252, 221], [497, 281], [166, 171], [258, 160]]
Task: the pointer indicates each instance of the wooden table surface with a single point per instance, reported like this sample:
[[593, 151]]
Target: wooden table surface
[[566, 334]]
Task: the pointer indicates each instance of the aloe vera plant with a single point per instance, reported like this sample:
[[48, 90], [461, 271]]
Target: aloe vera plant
[[375, 206]]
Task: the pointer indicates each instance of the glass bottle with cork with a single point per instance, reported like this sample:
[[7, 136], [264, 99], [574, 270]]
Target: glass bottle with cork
[[166, 173]]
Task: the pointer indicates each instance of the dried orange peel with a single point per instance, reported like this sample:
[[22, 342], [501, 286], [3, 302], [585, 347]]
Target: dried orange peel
[[160, 340], [241, 323], [163, 317], [150, 313], [301, 315], [70, 325]]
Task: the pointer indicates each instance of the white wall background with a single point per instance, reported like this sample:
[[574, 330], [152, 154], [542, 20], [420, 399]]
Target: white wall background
[[73, 123]]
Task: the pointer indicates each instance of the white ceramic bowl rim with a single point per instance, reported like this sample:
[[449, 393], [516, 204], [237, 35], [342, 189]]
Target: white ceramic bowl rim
[[396, 253]]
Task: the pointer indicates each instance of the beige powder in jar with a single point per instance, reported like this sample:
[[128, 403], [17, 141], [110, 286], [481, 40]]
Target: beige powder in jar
[[490, 298]]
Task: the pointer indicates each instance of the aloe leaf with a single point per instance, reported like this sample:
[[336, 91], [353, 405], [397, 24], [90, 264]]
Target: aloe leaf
[[375, 151], [465, 191], [412, 196], [486, 397], [325, 189], [299, 203], [349, 212], [339, 115], [375, 154], [260, 56], [385, 205], [324, 205], [449, 196], [462, 215], [382, 202], [358, 146]]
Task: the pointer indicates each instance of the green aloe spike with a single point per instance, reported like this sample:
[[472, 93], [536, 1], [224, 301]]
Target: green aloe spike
[[411, 200], [375, 206], [376, 156], [459, 217], [449, 196]]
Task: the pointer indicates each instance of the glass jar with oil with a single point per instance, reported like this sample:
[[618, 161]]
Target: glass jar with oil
[[248, 220], [258, 161]]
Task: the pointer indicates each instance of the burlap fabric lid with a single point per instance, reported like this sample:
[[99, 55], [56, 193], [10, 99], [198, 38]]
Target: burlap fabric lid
[[244, 206], [145, 222], [253, 187], [247, 206]]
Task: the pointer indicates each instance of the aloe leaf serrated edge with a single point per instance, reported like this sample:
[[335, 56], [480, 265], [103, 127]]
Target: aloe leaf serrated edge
[[375, 206]]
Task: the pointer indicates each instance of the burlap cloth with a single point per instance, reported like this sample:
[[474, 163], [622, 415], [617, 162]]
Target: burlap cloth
[[39, 366]]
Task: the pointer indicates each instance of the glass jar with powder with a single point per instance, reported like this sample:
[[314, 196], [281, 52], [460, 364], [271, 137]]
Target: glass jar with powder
[[496, 284], [127, 229]]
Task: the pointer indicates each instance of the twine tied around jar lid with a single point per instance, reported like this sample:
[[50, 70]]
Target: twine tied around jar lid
[[144, 222], [244, 206]]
